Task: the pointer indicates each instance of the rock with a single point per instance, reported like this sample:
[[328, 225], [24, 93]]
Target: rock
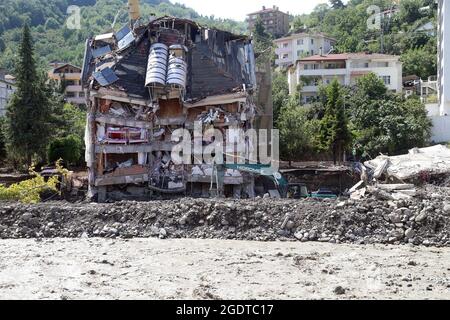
[[378, 212], [422, 216], [339, 291], [290, 225], [27, 216], [298, 236], [395, 218], [182, 221], [282, 233], [447, 208], [397, 234], [341, 205], [312, 235], [410, 233], [162, 233]]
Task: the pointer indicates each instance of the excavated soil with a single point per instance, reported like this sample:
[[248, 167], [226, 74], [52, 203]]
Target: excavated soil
[[424, 220]]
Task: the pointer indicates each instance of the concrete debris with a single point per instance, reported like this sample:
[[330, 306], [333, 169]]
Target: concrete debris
[[422, 220], [432, 161], [418, 167]]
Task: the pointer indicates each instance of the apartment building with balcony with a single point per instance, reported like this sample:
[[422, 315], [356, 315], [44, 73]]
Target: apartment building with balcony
[[275, 21], [296, 46], [312, 72], [7, 88], [71, 76]]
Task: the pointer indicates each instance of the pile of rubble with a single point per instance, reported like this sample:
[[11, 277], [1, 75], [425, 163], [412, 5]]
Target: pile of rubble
[[423, 220], [397, 178]]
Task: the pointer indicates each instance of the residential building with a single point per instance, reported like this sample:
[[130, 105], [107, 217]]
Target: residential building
[[152, 79], [444, 57], [296, 46], [7, 88], [275, 21], [70, 76], [318, 70]]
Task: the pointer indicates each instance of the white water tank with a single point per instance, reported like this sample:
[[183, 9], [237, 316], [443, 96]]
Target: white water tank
[[157, 65], [177, 70]]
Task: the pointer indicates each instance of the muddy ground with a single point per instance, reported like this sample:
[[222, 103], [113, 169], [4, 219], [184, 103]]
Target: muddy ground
[[219, 269], [376, 248]]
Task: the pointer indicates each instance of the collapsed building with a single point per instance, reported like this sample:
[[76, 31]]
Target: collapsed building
[[147, 80]]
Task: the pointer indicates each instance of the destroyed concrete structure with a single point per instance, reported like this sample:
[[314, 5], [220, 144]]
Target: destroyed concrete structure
[[397, 177], [418, 163], [147, 80]]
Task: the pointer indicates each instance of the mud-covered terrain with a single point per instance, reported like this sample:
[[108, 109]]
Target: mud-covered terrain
[[375, 248], [217, 269]]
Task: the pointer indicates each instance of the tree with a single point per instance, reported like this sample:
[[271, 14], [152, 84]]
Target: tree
[[385, 122], [299, 23], [419, 62], [334, 134], [69, 149], [410, 10], [371, 87], [280, 94], [29, 111], [337, 4], [262, 40], [295, 130]]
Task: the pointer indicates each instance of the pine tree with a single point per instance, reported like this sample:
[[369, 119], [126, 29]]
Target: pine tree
[[262, 40], [334, 134], [29, 112]]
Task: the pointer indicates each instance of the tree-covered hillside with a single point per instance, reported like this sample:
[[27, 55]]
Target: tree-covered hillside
[[398, 32], [55, 42], [351, 24]]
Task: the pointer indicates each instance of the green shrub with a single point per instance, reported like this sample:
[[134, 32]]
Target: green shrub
[[69, 149], [29, 191]]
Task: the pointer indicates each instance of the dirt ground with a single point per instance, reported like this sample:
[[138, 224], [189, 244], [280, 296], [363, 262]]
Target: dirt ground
[[219, 269]]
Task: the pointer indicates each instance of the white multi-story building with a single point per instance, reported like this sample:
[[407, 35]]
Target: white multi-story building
[[71, 75], [444, 57], [7, 88], [296, 46], [314, 71]]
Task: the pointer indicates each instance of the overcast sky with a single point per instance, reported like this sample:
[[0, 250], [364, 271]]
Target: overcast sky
[[238, 9]]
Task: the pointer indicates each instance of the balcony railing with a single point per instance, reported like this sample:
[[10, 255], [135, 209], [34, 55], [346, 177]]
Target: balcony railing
[[323, 72]]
